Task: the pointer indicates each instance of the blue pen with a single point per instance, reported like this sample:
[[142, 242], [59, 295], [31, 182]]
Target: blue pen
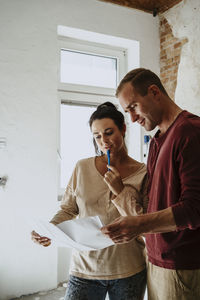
[[108, 155]]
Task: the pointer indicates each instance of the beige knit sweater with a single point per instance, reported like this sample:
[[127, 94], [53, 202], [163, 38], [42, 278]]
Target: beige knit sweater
[[88, 195]]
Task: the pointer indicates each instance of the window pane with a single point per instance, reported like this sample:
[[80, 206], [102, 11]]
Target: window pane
[[88, 69], [76, 138]]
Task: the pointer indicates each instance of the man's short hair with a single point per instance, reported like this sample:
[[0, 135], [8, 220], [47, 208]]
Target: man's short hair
[[141, 79]]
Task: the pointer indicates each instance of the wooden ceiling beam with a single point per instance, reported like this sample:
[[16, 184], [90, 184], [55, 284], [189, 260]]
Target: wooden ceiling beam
[[149, 6]]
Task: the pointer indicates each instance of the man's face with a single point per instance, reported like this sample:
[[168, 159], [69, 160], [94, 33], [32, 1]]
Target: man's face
[[142, 109]]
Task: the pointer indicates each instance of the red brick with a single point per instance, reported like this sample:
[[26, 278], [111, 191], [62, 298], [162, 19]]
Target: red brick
[[179, 44]]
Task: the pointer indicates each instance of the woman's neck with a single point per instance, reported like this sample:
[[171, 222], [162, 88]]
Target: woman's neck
[[118, 158], [122, 162]]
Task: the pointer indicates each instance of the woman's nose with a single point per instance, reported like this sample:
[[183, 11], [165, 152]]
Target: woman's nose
[[104, 139]]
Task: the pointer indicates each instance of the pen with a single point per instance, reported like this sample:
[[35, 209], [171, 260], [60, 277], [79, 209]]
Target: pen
[[108, 155]]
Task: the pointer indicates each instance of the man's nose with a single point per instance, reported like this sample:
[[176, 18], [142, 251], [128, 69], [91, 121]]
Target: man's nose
[[134, 116]]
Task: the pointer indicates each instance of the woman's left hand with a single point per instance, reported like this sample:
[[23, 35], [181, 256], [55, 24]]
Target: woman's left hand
[[114, 181]]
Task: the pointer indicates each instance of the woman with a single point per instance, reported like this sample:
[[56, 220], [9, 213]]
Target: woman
[[95, 190]]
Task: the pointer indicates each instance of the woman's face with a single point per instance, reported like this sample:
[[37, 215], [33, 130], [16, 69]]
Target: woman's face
[[108, 136]]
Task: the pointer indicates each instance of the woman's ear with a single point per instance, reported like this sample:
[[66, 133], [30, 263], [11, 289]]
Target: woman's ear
[[124, 130]]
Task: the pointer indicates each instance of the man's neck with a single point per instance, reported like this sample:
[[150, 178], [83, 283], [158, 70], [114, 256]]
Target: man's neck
[[170, 114]]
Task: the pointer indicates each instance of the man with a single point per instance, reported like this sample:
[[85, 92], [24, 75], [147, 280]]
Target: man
[[172, 222]]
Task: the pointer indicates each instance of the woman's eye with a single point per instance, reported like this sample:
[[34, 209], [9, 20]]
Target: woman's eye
[[97, 137], [109, 133]]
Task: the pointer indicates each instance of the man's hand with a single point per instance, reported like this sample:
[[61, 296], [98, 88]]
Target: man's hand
[[123, 229]]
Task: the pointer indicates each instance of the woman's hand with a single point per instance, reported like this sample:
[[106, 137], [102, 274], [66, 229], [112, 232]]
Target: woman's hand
[[41, 240], [113, 179]]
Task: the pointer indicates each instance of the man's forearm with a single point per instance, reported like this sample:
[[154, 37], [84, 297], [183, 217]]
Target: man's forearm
[[124, 229], [158, 222]]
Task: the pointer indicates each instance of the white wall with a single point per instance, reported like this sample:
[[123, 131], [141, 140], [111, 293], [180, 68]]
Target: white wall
[[29, 121], [184, 20]]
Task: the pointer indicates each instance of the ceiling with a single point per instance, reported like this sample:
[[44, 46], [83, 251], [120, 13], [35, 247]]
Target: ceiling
[[149, 6]]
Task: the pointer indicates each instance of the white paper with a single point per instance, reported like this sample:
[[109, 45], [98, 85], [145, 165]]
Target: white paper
[[82, 234]]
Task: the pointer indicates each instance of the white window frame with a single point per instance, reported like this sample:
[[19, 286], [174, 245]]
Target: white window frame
[[95, 49], [76, 94]]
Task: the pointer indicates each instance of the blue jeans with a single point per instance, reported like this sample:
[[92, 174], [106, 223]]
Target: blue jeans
[[130, 288]]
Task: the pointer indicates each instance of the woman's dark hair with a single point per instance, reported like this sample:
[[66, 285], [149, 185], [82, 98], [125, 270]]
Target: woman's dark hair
[[106, 110]]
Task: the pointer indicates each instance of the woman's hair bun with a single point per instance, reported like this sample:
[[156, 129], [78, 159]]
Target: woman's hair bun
[[110, 111], [106, 104]]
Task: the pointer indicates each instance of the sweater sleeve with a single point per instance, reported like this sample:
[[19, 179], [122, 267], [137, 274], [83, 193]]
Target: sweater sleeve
[[187, 210], [131, 202], [69, 209]]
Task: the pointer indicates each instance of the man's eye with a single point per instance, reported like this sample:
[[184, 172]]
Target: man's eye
[[132, 107], [97, 137]]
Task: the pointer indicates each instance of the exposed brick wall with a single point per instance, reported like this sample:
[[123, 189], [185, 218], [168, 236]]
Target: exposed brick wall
[[170, 54]]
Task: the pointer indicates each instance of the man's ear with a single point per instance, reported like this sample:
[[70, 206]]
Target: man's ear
[[154, 90]]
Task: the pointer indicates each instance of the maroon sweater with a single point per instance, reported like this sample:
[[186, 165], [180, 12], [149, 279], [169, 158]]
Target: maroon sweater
[[174, 180]]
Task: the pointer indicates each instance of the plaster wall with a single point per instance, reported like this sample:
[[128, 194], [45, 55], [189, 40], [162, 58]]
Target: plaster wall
[[29, 121], [184, 21]]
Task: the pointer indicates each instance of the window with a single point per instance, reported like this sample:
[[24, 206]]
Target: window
[[88, 75], [88, 69], [75, 137]]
